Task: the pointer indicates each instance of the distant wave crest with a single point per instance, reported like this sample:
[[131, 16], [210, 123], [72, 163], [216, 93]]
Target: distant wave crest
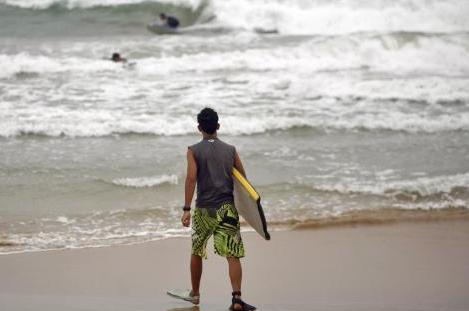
[[145, 182], [121, 13], [299, 16], [74, 4]]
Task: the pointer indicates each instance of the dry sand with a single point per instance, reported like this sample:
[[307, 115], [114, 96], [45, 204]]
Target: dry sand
[[407, 266]]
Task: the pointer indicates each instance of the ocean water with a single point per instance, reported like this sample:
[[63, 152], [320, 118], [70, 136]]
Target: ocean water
[[334, 106]]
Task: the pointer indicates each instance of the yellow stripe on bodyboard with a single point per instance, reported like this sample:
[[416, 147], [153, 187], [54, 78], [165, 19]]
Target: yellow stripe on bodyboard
[[252, 192]]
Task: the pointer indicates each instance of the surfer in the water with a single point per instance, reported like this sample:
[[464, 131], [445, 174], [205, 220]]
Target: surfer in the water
[[117, 58], [209, 166], [169, 21]]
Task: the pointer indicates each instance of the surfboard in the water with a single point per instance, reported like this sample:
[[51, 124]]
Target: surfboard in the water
[[248, 204], [162, 29]]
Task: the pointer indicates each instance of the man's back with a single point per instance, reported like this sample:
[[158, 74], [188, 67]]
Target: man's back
[[172, 22], [215, 160]]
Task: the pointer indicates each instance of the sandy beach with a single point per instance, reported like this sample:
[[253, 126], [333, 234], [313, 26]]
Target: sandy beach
[[404, 266]]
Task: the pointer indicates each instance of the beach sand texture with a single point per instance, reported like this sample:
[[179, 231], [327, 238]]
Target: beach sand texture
[[403, 266]]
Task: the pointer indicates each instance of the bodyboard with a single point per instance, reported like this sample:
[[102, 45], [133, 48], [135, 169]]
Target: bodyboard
[[162, 29], [248, 204]]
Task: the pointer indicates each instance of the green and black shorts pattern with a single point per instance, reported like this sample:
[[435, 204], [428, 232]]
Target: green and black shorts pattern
[[223, 224]]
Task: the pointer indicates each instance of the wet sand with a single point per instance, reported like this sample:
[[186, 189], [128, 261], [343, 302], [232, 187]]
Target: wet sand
[[402, 266]]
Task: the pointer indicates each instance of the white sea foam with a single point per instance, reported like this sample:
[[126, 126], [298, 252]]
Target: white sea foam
[[73, 238], [422, 186], [64, 220], [319, 83], [384, 53], [40, 64], [359, 116], [394, 53], [331, 17], [436, 205], [144, 182]]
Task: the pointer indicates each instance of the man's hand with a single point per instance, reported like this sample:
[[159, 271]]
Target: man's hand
[[186, 219]]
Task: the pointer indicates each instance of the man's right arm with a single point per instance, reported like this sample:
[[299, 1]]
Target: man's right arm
[[238, 164], [191, 180]]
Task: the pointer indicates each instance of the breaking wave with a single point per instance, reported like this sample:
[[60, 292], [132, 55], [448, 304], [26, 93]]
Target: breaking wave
[[294, 16], [425, 103], [105, 123], [81, 4], [92, 17], [333, 17]]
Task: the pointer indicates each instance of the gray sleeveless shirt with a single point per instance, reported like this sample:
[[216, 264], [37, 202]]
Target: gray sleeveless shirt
[[215, 161]]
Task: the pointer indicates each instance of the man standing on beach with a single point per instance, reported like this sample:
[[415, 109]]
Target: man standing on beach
[[209, 166]]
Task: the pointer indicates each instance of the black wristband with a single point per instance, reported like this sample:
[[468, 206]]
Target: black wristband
[[186, 208]]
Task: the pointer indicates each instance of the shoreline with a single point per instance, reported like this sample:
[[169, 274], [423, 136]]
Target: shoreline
[[354, 218], [399, 266]]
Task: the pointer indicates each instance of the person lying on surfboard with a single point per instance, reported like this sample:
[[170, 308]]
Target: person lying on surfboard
[[209, 166], [117, 58], [169, 21]]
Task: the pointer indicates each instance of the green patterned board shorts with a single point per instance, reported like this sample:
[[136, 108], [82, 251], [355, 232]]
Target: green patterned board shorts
[[223, 224]]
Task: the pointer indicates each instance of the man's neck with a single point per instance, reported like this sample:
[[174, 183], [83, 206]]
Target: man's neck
[[209, 136]]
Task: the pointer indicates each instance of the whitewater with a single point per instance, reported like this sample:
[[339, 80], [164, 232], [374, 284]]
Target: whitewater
[[335, 107]]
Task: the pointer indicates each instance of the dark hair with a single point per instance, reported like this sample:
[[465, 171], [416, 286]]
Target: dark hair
[[162, 16], [116, 56], [208, 120]]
